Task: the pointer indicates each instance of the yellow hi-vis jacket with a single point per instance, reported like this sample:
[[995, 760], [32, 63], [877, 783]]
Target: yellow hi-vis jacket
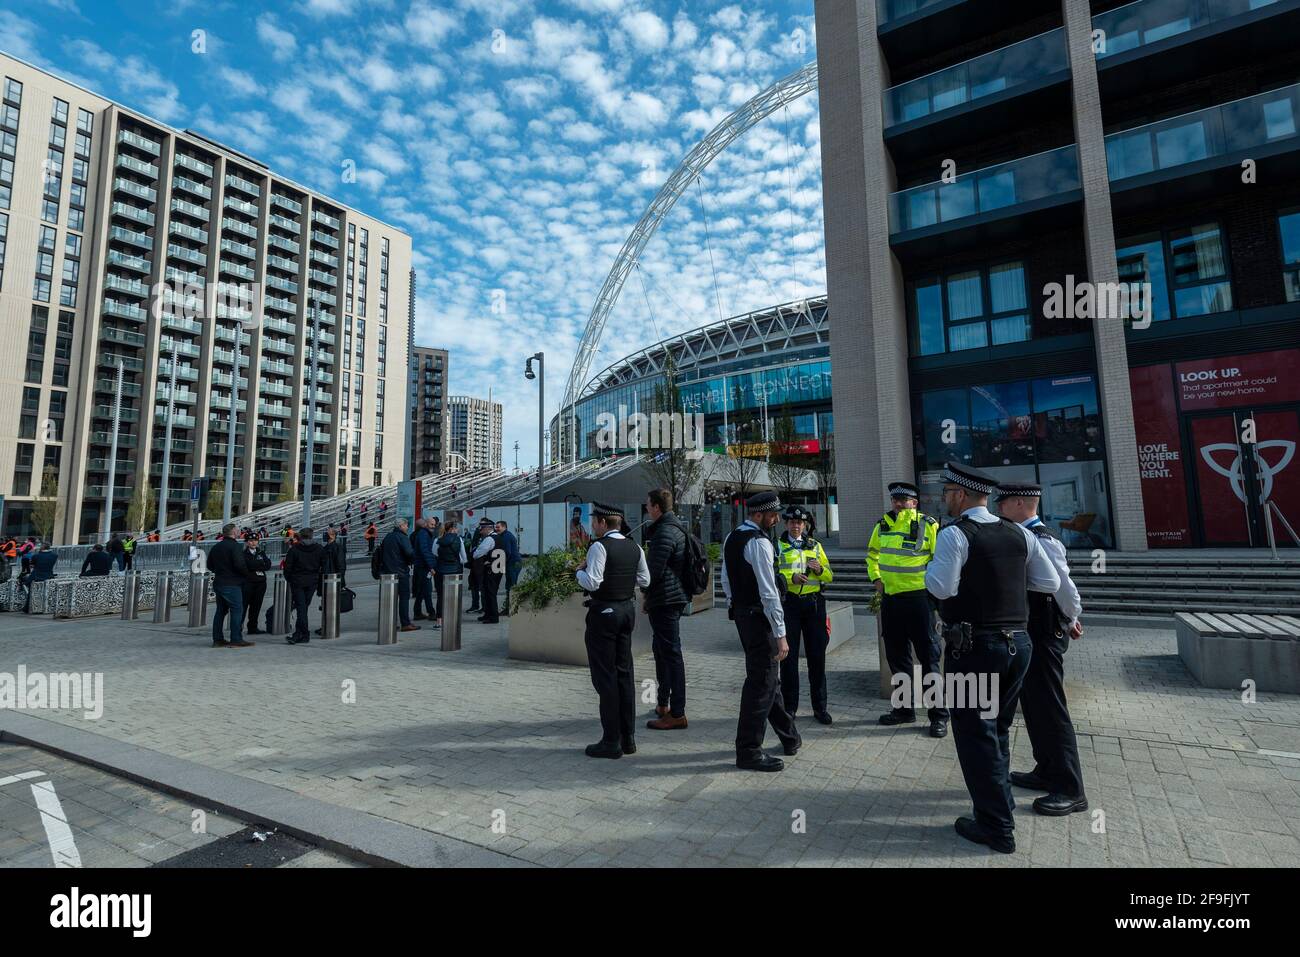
[[792, 560], [902, 544]]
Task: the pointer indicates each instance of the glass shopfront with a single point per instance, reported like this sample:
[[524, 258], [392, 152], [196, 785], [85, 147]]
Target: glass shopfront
[[1045, 430]]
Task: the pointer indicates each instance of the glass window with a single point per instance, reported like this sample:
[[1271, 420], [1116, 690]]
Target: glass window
[[977, 307], [1289, 222], [1142, 260], [1199, 271]]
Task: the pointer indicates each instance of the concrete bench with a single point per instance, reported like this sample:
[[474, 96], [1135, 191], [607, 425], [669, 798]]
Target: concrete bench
[[842, 627], [1223, 650]]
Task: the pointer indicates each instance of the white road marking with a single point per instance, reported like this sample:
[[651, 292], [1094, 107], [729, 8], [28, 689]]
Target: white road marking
[[14, 779], [62, 846], [1279, 754]]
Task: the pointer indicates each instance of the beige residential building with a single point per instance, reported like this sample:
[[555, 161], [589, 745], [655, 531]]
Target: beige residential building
[[475, 429], [130, 249]]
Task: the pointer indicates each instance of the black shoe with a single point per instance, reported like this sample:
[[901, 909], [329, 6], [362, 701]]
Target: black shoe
[[1028, 780], [898, 717], [418, 617], [938, 728], [242, 644], [490, 621], [604, 749], [969, 829], [628, 745], [822, 717], [1059, 805], [220, 644], [764, 762], [792, 749], [250, 630]]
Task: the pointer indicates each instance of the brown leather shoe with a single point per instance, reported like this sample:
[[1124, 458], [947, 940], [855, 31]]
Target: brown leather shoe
[[667, 723], [409, 628]]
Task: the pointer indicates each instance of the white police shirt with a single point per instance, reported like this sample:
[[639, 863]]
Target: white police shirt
[[951, 549], [762, 558], [1067, 595], [591, 577]]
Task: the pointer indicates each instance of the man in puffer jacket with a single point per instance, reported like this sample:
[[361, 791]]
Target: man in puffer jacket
[[664, 601]]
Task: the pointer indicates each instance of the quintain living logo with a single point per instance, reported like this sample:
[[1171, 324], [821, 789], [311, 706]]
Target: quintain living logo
[[1233, 471]]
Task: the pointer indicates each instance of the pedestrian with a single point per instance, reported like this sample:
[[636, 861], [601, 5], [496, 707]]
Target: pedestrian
[[1053, 623], [41, 569], [749, 582], [98, 563], [475, 579], [116, 552], [451, 563], [490, 561], [128, 550], [508, 544], [422, 571], [230, 574], [613, 570], [664, 601], [901, 547], [303, 567], [370, 534], [255, 588], [982, 571], [335, 563], [395, 558], [803, 564]]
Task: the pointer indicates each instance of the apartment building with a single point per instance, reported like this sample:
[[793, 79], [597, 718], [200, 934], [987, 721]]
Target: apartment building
[[474, 426], [149, 279], [430, 374], [993, 172]]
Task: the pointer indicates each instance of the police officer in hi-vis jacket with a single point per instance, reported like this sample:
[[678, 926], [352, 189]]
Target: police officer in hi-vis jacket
[[802, 563]]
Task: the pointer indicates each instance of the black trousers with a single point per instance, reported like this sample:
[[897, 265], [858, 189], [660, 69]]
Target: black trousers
[[670, 668], [760, 697], [983, 743], [1047, 716], [403, 599], [422, 589], [253, 598], [438, 579], [609, 657], [301, 602], [491, 581], [805, 624], [907, 622]]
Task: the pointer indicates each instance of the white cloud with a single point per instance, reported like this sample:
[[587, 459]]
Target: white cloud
[[283, 44], [239, 82], [648, 33]]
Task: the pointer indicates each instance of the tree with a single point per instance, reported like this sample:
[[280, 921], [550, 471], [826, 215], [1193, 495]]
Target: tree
[[286, 489], [741, 467], [785, 466], [216, 504], [46, 509], [823, 468], [142, 511], [678, 468]]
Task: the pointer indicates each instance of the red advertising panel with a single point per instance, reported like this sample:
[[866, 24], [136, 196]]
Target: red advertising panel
[[1219, 476], [1160, 456], [1264, 378], [1277, 437]]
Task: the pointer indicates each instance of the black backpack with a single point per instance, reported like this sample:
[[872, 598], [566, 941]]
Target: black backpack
[[695, 567], [376, 563]]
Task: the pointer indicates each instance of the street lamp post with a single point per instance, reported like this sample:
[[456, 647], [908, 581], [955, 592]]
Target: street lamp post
[[540, 376], [311, 420]]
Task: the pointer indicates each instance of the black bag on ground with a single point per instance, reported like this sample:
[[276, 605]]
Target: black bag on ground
[[347, 600]]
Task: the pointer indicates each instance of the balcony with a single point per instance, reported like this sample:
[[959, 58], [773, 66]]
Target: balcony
[[183, 373], [276, 411], [239, 249], [176, 470], [325, 258], [193, 279], [132, 287], [183, 347], [110, 360], [122, 310], [181, 324], [187, 254], [225, 379], [121, 493], [1200, 153], [290, 246], [136, 166], [273, 432], [279, 345], [122, 234], [189, 209], [194, 165], [281, 263], [139, 142], [325, 239], [239, 227], [178, 446], [122, 337], [285, 223], [124, 440], [223, 402], [237, 269], [179, 419], [911, 30], [1153, 44], [227, 357], [242, 205], [226, 334], [238, 182], [284, 202], [284, 285], [183, 396], [275, 455], [193, 233], [995, 201], [124, 415], [191, 187], [130, 390], [279, 325], [276, 367], [325, 219], [146, 193], [142, 216], [274, 388], [137, 263]]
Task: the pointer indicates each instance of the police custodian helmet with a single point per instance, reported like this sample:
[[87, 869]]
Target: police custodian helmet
[[796, 512]]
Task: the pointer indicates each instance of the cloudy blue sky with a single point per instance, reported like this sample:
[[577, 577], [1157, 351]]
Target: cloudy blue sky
[[517, 141]]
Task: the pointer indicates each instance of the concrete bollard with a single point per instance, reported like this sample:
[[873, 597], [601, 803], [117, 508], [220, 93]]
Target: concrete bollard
[[279, 605], [198, 599], [329, 600], [162, 597], [451, 605], [386, 630], [130, 595]]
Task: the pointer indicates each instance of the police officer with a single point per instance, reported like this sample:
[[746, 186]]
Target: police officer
[[1053, 622], [803, 565], [982, 571], [902, 544], [614, 569], [749, 582]]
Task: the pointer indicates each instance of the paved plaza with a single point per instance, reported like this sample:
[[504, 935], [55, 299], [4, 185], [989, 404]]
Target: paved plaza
[[473, 746]]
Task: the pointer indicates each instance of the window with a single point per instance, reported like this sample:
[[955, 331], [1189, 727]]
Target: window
[[1187, 269], [1288, 222], [13, 92], [969, 310], [4, 233]]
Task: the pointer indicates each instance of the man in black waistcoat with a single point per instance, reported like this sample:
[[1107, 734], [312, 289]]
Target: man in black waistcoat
[[982, 570], [754, 600], [1053, 623], [614, 569]]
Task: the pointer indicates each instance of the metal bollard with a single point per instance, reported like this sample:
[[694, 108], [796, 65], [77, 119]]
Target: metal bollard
[[451, 605], [279, 606], [387, 627], [198, 599], [329, 601], [130, 595], [162, 597]]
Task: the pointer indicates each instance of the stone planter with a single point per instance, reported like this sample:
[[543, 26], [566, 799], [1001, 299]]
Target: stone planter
[[705, 601], [555, 634]]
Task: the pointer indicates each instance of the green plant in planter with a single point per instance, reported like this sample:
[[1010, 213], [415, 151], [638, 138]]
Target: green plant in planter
[[715, 552], [546, 578]]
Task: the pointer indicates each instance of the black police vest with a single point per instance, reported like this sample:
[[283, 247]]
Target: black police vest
[[622, 559], [740, 574], [1044, 613], [993, 592]]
